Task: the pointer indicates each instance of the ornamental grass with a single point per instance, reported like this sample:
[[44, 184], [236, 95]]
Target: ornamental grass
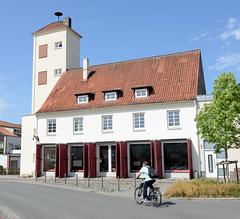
[[203, 189]]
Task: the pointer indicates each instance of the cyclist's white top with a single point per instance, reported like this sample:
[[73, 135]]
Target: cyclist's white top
[[144, 172]]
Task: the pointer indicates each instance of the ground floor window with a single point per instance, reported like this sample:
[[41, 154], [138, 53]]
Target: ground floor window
[[175, 156], [107, 158], [49, 158], [138, 154], [76, 158]]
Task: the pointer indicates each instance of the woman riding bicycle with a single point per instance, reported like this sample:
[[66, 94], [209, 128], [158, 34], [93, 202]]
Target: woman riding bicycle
[[148, 181]]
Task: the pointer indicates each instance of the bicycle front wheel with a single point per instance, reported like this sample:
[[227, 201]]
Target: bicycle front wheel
[[138, 195], [157, 198]]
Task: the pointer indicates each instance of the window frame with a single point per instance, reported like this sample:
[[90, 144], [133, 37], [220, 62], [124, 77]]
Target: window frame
[[107, 130], [174, 126], [48, 123], [74, 131], [139, 121], [138, 93], [56, 45], [56, 72], [82, 96], [110, 93]]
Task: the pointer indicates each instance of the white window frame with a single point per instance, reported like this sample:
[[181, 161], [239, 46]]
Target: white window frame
[[141, 93], [106, 121], [52, 122], [79, 125], [82, 99], [174, 124], [57, 72], [137, 126], [58, 45], [110, 96]]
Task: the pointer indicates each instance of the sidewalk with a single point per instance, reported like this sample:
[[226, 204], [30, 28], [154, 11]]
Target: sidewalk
[[124, 187]]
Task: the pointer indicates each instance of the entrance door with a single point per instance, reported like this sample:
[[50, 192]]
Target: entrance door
[[107, 160], [210, 164]]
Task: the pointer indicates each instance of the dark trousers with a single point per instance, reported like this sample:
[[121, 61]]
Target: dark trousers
[[146, 185]]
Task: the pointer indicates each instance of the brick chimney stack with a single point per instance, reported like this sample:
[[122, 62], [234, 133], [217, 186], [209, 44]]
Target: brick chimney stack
[[68, 21]]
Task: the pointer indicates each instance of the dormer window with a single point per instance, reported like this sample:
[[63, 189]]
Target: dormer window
[[58, 45], [140, 93], [82, 99], [110, 96]]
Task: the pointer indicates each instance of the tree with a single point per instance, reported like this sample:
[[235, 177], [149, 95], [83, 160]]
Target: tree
[[219, 121]]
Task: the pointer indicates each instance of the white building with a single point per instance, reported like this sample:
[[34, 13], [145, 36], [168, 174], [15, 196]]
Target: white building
[[106, 119], [10, 146]]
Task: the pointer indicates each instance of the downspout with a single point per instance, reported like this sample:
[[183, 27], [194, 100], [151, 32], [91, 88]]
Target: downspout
[[34, 75], [199, 145]]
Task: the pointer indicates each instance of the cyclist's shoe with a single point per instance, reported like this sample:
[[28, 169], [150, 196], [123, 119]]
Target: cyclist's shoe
[[145, 200]]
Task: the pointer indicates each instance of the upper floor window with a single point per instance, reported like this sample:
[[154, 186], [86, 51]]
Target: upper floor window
[[139, 93], [17, 131], [138, 121], [173, 119], [83, 99], [110, 96], [57, 72], [107, 123], [58, 45], [78, 125], [51, 126]]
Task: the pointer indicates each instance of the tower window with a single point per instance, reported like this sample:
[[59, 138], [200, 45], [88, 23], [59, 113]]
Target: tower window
[[58, 45], [57, 72]]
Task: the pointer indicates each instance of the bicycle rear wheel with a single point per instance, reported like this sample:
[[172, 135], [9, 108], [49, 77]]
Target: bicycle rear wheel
[[138, 195], [157, 198]]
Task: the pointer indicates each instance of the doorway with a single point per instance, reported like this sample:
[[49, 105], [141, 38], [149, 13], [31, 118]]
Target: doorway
[[107, 160]]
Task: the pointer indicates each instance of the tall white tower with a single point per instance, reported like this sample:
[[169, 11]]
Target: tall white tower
[[56, 48]]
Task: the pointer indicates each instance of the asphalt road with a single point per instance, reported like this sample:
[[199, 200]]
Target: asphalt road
[[26, 200]]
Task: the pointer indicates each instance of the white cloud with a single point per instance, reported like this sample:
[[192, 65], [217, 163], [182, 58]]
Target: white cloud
[[231, 23], [233, 29], [200, 37], [227, 60], [3, 105]]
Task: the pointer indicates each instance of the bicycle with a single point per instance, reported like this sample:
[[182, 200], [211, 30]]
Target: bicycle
[[155, 196]]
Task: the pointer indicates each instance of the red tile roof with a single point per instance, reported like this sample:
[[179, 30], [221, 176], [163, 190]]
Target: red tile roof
[[10, 125], [6, 132], [55, 25], [174, 77]]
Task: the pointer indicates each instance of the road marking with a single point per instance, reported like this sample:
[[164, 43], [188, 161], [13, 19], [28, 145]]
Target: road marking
[[7, 213]]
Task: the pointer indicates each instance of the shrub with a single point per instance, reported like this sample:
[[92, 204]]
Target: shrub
[[203, 188]]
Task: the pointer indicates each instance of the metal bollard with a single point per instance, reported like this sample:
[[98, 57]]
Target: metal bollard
[[65, 175], [102, 182], [45, 177], [55, 178], [88, 181], [118, 184], [76, 180]]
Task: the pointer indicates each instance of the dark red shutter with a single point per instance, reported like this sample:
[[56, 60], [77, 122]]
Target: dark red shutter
[[85, 160], [38, 159], [189, 149], [57, 160], [152, 153], [123, 160], [92, 160], [117, 159], [63, 158], [158, 157]]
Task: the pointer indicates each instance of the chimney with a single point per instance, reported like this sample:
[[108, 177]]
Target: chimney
[[68, 21], [85, 68]]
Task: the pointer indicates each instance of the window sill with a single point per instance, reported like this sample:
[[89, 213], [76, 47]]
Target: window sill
[[177, 171], [174, 128], [107, 132], [139, 130], [51, 134], [78, 133]]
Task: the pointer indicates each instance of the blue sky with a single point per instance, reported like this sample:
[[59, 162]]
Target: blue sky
[[117, 30]]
